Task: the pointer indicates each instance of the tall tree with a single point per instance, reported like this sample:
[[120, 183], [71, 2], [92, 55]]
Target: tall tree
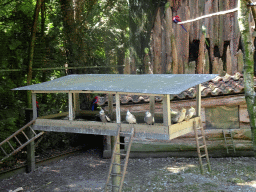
[[243, 20], [31, 49]]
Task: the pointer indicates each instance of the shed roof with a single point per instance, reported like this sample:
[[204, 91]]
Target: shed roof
[[146, 83]]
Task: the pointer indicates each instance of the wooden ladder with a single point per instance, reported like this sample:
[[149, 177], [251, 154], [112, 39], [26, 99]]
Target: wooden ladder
[[19, 132], [229, 142], [114, 153], [201, 145]]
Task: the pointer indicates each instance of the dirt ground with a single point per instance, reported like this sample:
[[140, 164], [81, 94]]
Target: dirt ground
[[87, 171]]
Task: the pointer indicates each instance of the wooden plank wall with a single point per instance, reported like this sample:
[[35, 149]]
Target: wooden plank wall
[[171, 44]]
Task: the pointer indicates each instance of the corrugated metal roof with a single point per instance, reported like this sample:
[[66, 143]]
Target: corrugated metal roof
[[146, 83]]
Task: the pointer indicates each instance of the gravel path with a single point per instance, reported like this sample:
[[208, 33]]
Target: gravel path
[[87, 171]]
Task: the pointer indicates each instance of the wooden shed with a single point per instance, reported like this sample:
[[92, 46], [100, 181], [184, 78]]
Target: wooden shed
[[114, 84]]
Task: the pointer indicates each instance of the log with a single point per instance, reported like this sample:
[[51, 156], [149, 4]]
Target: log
[[168, 27], [221, 28], [157, 44], [201, 56], [215, 65], [174, 54], [206, 62], [240, 61], [228, 61]]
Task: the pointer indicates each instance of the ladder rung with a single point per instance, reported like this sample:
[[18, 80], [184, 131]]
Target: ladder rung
[[117, 164], [202, 146], [10, 145], [17, 140], [112, 185], [203, 155], [120, 154], [116, 174], [122, 143], [3, 151], [32, 130], [25, 135], [205, 164], [200, 137], [124, 134]]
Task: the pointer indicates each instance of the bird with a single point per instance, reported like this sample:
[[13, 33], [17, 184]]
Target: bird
[[179, 117], [190, 112], [103, 117], [176, 19], [173, 112], [130, 118], [94, 103], [149, 119]]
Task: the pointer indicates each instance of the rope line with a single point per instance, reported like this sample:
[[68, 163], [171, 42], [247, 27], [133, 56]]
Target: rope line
[[209, 15]]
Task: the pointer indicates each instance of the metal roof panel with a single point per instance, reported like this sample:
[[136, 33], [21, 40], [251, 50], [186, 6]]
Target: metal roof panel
[[146, 83]]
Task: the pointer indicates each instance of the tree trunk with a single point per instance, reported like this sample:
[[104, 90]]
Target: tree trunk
[[31, 50], [243, 19]]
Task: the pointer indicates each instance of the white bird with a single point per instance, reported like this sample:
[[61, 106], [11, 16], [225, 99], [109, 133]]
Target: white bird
[[104, 118], [190, 113], [174, 112], [149, 119], [130, 118], [179, 117]]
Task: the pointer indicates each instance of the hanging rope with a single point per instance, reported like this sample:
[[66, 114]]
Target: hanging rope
[[210, 15]]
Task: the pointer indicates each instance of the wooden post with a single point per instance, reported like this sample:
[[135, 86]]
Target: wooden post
[[34, 106], [76, 102], [70, 107], [116, 169], [31, 146], [152, 105], [198, 100], [166, 110], [109, 139], [110, 106]]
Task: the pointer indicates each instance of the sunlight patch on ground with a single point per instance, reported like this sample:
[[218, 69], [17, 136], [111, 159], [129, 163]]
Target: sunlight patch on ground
[[180, 168], [251, 183]]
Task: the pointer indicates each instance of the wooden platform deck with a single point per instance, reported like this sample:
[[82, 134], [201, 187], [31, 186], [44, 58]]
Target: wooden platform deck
[[157, 131]]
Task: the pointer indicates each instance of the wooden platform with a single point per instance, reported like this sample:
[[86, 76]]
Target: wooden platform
[[157, 131]]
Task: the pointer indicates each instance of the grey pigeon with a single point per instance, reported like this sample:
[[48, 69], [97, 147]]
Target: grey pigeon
[[149, 119], [130, 118], [190, 113], [179, 117], [103, 117]]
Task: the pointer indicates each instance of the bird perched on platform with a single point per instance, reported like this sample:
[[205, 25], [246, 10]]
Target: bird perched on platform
[[149, 119], [130, 118], [94, 103], [103, 117], [176, 19], [179, 117], [173, 112], [190, 112]]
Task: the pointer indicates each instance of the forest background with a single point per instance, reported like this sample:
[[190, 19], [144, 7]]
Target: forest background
[[45, 39]]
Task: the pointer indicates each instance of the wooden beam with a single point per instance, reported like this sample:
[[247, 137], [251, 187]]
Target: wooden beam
[[198, 100], [166, 110], [118, 114], [76, 102], [34, 105], [70, 107], [110, 106], [101, 92], [152, 105], [117, 159]]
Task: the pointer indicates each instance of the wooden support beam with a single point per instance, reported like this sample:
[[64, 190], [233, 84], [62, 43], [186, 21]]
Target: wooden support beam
[[34, 106], [152, 105], [116, 168], [31, 146], [166, 110], [70, 107], [110, 106], [76, 102], [198, 100]]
